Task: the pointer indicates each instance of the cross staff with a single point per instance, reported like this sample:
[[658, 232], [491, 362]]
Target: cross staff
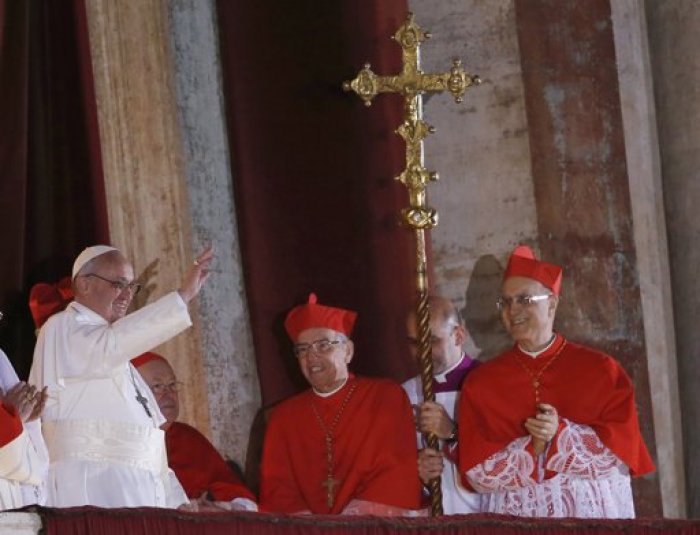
[[412, 83]]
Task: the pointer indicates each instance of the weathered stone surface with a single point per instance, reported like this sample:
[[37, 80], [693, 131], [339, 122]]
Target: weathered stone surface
[[646, 195], [485, 197], [228, 356], [537, 155], [582, 188], [149, 216], [19, 523], [673, 30]]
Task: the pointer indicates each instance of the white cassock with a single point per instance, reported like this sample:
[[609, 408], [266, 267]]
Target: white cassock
[[104, 449], [23, 459]]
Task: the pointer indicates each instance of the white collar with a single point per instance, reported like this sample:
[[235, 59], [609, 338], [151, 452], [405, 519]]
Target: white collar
[[92, 316], [535, 354], [328, 394], [442, 377]]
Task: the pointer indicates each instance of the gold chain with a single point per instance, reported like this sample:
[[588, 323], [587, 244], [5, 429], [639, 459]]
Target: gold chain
[[329, 482], [536, 376]]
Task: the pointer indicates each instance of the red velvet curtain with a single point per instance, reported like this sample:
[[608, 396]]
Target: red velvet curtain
[[52, 200], [86, 521], [313, 171]]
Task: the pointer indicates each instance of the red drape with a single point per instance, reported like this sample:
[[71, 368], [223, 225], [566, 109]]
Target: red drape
[[313, 170], [84, 520], [51, 186]]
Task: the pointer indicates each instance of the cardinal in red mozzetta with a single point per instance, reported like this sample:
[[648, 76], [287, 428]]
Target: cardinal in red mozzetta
[[347, 444], [549, 428], [206, 477]]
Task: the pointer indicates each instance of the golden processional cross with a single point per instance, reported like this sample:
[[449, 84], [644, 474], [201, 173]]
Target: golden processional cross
[[412, 83]]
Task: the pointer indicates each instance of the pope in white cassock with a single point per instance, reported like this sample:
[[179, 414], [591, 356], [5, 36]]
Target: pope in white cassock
[[101, 423]]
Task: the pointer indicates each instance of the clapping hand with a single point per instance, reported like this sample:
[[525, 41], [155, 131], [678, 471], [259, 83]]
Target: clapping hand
[[27, 400]]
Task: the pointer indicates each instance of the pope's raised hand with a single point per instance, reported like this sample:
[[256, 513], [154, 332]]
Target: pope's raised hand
[[197, 275], [22, 398]]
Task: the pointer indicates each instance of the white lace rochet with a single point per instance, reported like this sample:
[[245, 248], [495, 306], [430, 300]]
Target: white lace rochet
[[590, 480]]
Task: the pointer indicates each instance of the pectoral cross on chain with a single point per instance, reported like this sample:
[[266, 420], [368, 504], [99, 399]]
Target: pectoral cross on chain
[[330, 485], [144, 403], [139, 396]]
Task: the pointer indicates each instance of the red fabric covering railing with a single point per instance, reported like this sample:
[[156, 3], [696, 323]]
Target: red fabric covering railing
[[90, 520]]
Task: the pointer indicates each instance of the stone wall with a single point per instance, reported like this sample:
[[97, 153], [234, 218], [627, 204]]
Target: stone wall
[[227, 350], [646, 194], [538, 154], [142, 158], [481, 149], [673, 39]]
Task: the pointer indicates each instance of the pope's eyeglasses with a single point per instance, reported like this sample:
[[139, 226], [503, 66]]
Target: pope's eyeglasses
[[133, 287], [524, 300], [320, 347]]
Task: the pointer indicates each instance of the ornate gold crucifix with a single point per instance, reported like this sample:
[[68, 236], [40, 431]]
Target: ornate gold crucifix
[[412, 83]]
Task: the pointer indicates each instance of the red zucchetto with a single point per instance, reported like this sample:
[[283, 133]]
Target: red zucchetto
[[148, 356], [47, 299], [522, 263], [312, 315]]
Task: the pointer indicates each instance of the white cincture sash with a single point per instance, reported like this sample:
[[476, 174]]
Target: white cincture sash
[[103, 441]]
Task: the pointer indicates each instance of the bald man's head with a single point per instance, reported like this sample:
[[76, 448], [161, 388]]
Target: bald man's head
[[447, 333], [161, 379]]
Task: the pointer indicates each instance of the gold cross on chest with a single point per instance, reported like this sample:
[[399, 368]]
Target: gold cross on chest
[[330, 485]]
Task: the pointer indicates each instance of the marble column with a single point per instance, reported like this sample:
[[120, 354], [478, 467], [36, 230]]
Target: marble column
[[582, 189], [142, 153], [646, 195], [673, 42], [228, 359]]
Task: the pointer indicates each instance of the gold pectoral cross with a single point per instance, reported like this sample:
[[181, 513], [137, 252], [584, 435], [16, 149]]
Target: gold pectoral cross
[[330, 485]]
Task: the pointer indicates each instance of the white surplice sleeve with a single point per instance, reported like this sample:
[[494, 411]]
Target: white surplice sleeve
[[508, 469], [581, 453], [80, 343]]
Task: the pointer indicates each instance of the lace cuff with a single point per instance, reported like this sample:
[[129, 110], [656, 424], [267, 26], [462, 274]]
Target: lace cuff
[[508, 469], [364, 507], [580, 452]]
